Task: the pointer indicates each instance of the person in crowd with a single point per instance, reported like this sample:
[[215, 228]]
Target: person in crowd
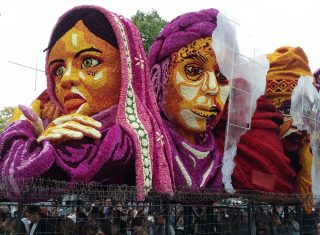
[[244, 220], [94, 214], [105, 228], [66, 227], [179, 226], [10, 224], [73, 215], [5, 210], [291, 226], [3, 217], [140, 232], [89, 228], [235, 226], [138, 225], [26, 222], [107, 210], [277, 227], [38, 225], [56, 220], [162, 227], [97, 120], [81, 215], [14, 226], [262, 221], [129, 220], [118, 225]]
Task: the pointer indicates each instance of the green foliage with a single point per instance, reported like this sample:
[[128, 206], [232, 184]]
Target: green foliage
[[5, 115], [149, 25]]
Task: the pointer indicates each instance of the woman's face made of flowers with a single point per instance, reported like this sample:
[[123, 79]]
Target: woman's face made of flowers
[[86, 71], [196, 90]]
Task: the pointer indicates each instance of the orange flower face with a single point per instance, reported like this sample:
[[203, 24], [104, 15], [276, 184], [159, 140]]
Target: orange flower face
[[196, 90], [86, 71]]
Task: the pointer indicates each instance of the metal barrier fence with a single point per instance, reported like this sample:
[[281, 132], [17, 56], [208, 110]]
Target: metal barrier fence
[[83, 209]]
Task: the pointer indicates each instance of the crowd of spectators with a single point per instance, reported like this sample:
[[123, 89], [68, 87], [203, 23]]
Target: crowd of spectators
[[129, 218]]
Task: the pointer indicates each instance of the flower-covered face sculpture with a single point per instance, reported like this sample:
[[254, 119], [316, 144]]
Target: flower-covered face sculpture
[[196, 91], [287, 64], [86, 71]]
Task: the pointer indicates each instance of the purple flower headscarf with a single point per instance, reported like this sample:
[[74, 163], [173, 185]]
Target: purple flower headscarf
[[152, 170], [135, 120]]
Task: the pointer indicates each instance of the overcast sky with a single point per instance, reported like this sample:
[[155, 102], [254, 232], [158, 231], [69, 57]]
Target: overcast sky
[[26, 26]]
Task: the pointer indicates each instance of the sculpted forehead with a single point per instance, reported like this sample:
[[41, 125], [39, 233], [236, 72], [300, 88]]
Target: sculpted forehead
[[200, 47], [75, 39]]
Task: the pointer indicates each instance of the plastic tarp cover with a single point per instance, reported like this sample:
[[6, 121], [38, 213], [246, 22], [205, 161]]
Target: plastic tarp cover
[[305, 113], [246, 72]]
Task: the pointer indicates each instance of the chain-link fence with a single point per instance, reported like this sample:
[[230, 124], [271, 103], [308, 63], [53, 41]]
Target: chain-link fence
[[51, 207]]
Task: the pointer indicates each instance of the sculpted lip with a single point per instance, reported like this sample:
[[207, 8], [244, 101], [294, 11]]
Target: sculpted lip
[[73, 101], [71, 96], [204, 114], [205, 111]]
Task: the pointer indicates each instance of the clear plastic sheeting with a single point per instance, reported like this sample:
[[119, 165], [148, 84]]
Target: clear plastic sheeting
[[305, 112], [246, 72], [303, 104]]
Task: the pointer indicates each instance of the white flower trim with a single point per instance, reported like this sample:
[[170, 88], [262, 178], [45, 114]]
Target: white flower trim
[[198, 154], [184, 172], [133, 118]]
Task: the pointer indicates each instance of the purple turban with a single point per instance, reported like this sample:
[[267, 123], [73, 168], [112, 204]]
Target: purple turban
[[180, 32], [177, 34]]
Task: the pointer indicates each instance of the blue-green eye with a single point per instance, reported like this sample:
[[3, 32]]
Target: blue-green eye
[[60, 71], [89, 63]]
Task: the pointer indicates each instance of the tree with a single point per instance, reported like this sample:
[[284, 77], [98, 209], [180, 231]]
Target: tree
[[149, 25], [5, 115]]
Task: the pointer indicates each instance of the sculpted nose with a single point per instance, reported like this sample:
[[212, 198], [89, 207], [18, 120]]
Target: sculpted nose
[[70, 78], [210, 84]]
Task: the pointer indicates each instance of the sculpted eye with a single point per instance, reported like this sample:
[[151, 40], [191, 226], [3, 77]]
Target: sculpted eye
[[89, 63], [193, 71], [221, 78], [60, 71], [285, 112]]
